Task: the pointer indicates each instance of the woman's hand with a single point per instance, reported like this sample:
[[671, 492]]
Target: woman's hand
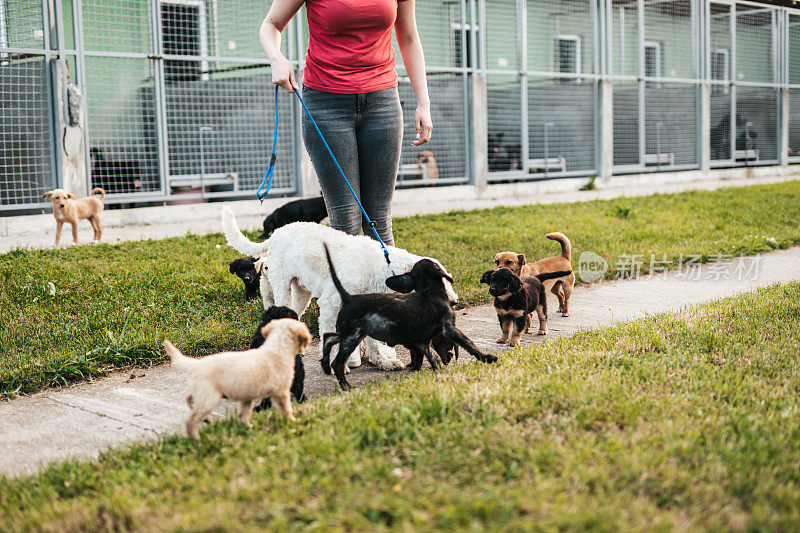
[[405, 28], [269, 35], [283, 74], [424, 125]]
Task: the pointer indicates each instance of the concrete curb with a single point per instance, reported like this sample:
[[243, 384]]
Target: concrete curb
[[412, 201]]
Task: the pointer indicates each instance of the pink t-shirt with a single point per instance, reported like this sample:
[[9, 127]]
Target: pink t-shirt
[[350, 45]]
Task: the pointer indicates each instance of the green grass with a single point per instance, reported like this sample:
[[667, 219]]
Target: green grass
[[679, 421], [113, 304]]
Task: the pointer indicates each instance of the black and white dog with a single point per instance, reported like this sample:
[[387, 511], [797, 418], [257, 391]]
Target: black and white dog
[[245, 268], [275, 313], [412, 319], [305, 210]]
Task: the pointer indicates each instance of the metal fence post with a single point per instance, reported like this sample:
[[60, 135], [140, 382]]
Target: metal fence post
[[606, 136], [479, 135], [309, 184], [159, 96], [522, 54], [702, 12], [783, 93]]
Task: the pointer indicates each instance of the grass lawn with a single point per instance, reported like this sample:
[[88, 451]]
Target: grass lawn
[[71, 314], [679, 421]]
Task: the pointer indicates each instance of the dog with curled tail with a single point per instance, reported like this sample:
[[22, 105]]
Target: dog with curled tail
[[68, 208]]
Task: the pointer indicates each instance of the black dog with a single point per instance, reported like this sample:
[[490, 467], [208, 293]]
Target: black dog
[[305, 210], [516, 298], [503, 156], [245, 268], [412, 320], [274, 313]]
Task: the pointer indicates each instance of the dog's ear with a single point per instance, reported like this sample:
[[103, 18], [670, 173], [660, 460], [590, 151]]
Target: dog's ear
[[232, 266], [514, 284], [266, 330], [48, 194], [70, 195], [401, 283], [303, 336], [487, 277], [521, 259]]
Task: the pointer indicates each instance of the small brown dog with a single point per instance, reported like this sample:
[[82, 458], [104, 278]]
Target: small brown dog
[[427, 159], [515, 299], [68, 208], [244, 377], [562, 287]]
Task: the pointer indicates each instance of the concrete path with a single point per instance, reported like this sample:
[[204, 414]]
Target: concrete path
[[82, 420], [38, 231]]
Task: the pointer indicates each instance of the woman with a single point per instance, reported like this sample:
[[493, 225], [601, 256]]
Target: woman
[[350, 87]]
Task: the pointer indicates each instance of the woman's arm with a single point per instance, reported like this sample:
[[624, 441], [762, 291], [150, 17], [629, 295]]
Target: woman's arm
[[279, 15], [405, 27]]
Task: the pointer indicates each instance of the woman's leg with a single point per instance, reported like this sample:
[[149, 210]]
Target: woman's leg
[[335, 114], [379, 131]]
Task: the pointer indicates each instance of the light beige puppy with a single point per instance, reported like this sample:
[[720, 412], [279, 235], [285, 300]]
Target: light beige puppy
[[68, 208], [246, 376]]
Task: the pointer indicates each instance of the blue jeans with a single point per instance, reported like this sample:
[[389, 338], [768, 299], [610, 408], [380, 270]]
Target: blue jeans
[[365, 132]]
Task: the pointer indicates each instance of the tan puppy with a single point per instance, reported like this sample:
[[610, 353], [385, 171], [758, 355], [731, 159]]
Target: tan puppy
[[67, 208], [561, 287], [427, 159], [244, 377]]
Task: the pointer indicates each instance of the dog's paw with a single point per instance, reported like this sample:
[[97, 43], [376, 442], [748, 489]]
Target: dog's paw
[[384, 357], [564, 314], [390, 364], [501, 340], [513, 343], [354, 361], [542, 332]]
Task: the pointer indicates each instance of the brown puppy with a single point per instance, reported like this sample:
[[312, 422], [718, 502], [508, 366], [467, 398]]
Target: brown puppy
[[67, 208], [427, 159], [562, 287], [515, 299], [244, 377]]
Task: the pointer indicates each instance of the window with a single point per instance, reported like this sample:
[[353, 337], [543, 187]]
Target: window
[[462, 44], [3, 31], [720, 69], [183, 27], [568, 54], [652, 59]]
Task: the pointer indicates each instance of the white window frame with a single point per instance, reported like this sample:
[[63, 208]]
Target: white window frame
[[202, 15], [578, 52], [3, 30], [657, 46], [727, 53]]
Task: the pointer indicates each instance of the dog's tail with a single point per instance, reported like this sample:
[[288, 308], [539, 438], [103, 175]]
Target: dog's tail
[[236, 238], [566, 246], [101, 191], [178, 359], [553, 275], [336, 283]]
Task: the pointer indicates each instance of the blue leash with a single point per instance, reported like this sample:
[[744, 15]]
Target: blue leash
[[268, 176]]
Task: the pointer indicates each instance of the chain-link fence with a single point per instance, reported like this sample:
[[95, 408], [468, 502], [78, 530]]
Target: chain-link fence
[[793, 77], [541, 89], [26, 144], [178, 94]]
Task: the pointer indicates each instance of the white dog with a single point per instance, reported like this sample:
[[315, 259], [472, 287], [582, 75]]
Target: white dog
[[244, 377], [294, 270]]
